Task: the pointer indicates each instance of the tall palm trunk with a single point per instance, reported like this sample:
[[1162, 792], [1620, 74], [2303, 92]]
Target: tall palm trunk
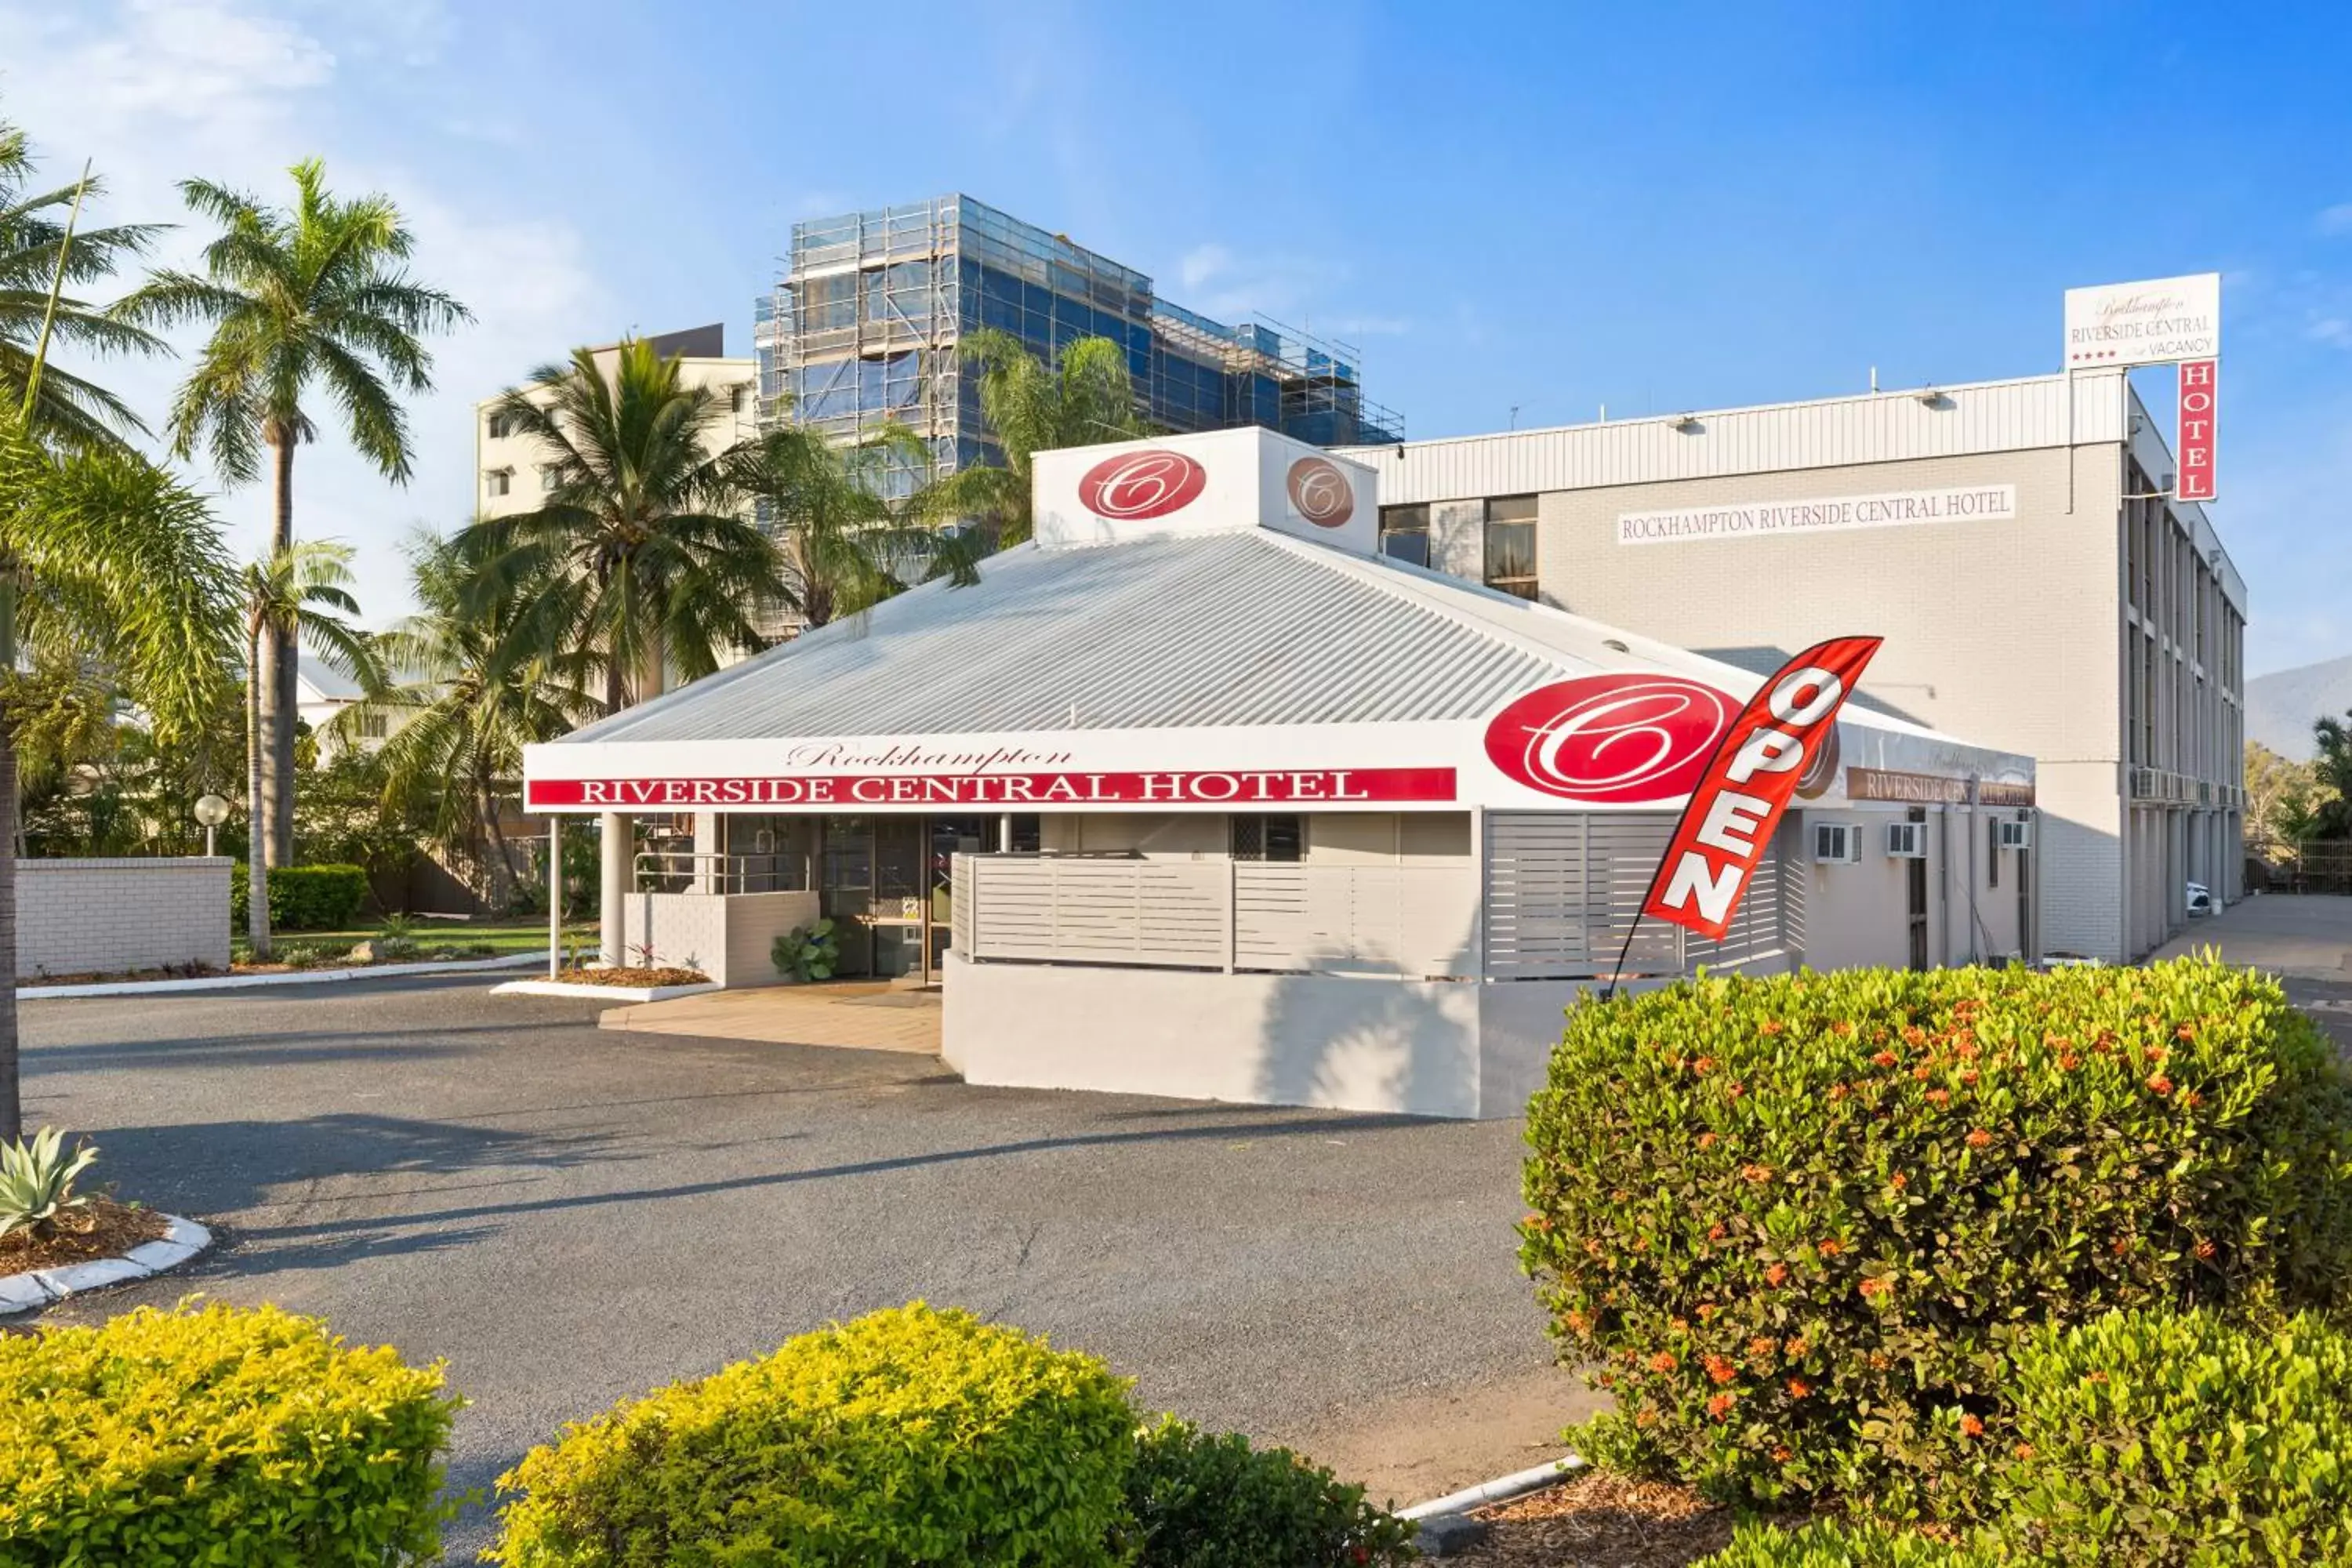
[[500, 865], [276, 679], [12, 1123], [256, 872]]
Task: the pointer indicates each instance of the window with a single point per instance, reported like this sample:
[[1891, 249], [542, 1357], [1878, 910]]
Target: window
[[1404, 533], [1511, 546], [1267, 838], [498, 481], [502, 426], [1992, 866], [550, 475], [372, 726], [735, 398]]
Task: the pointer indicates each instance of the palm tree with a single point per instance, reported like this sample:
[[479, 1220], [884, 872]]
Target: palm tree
[[638, 551], [316, 295], [844, 546], [104, 550], [1085, 397], [478, 688], [300, 594], [33, 228]]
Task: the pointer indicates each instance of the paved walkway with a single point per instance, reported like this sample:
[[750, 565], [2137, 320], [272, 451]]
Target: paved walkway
[[2308, 935], [852, 1015], [2305, 939]]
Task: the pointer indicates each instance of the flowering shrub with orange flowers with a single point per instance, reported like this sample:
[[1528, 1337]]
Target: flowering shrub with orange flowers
[[1798, 1224]]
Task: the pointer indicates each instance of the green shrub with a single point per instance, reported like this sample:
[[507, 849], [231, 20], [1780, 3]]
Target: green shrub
[[2165, 1437], [301, 897], [251, 1439], [908, 1437], [1800, 1222], [1827, 1545], [1199, 1500], [806, 953]]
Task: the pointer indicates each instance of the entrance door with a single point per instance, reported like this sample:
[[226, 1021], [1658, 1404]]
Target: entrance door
[[1915, 875], [847, 894], [950, 836], [899, 890]]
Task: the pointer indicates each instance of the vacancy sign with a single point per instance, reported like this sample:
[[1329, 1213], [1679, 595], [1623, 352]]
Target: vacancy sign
[[2195, 429], [2162, 321], [1740, 797]]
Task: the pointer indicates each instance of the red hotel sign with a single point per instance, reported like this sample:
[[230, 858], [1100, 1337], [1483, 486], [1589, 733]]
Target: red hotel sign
[[1253, 786], [2200, 394]]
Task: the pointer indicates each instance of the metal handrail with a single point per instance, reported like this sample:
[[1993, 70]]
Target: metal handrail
[[709, 871]]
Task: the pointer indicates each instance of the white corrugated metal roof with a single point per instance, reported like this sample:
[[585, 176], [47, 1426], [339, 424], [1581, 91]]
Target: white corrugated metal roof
[[1871, 428], [1230, 629]]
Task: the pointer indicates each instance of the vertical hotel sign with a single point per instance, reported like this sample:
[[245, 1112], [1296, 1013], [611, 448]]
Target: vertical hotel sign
[[2194, 430], [2165, 320]]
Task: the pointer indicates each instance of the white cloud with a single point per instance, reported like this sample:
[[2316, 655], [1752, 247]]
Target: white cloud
[[2334, 331], [155, 90], [2337, 219]]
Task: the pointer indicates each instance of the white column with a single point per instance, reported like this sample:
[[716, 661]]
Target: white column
[[554, 896], [612, 941]]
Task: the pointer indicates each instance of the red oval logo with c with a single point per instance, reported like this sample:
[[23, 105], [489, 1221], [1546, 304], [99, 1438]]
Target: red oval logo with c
[[1134, 485], [1320, 493], [1620, 739]]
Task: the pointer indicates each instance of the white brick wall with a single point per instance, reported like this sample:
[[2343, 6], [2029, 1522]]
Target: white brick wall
[[79, 916]]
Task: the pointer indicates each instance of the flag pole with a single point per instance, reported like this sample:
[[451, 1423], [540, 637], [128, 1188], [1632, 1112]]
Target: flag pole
[[1617, 973]]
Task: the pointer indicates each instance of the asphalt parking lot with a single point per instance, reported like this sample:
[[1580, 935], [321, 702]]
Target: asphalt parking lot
[[570, 1216]]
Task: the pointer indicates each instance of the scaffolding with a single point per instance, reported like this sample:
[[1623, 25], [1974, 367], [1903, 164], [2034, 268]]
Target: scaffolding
[[862, 331]]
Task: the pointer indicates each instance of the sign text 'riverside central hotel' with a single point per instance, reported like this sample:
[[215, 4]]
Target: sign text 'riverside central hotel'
[[1894, 508]]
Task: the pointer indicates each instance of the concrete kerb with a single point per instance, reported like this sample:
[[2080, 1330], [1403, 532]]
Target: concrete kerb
[[1446, 1523], [602, 993], [291, 977], [27, 1292]]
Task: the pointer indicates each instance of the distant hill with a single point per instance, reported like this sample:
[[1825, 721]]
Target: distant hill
[[2281, 706]]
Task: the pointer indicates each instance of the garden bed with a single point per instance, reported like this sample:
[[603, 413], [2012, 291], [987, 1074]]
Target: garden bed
[[633, 979], [1597, 1520], [103, 1229]]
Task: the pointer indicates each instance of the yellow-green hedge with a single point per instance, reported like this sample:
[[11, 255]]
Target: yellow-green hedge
[[910, 1437], [243, 1439], [1799, 1223]]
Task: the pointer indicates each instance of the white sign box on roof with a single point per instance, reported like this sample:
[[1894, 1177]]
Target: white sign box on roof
[[1215, 482], [2155, 323]]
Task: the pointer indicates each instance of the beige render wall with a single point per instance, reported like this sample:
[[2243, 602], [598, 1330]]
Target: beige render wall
[[105, 916], [2002, 633]]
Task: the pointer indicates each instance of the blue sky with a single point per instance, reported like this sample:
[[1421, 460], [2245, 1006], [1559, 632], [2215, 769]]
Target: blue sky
[[1551, 207]]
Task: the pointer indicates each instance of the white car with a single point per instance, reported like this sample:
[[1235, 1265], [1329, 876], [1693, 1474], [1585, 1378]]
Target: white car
[[2201, 902]]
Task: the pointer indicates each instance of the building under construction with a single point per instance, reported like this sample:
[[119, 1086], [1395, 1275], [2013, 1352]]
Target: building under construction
[[862, 331]]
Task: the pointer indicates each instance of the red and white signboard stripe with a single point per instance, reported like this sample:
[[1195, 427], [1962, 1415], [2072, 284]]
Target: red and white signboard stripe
[[2198, 412], [1739, 799]]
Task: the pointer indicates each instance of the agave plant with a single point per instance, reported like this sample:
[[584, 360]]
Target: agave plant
[[36, 1182]]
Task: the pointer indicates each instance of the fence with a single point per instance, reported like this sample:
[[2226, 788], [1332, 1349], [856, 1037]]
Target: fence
[[1417, 922]]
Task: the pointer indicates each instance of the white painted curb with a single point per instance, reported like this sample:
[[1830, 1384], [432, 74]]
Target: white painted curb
[[291, 977], [182, 1239], [602, 993], [1502, 1488]]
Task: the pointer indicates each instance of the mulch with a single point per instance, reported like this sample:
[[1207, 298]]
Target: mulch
[[634, 977], [103, 1229], [1601, 1520]]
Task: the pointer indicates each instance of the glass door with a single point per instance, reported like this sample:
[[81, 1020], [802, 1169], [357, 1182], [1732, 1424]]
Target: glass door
[[845, 895]]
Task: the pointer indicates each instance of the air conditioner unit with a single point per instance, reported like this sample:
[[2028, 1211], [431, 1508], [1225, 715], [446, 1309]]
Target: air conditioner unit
[[2017, 835], [1907, 840], [1836, 844]]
